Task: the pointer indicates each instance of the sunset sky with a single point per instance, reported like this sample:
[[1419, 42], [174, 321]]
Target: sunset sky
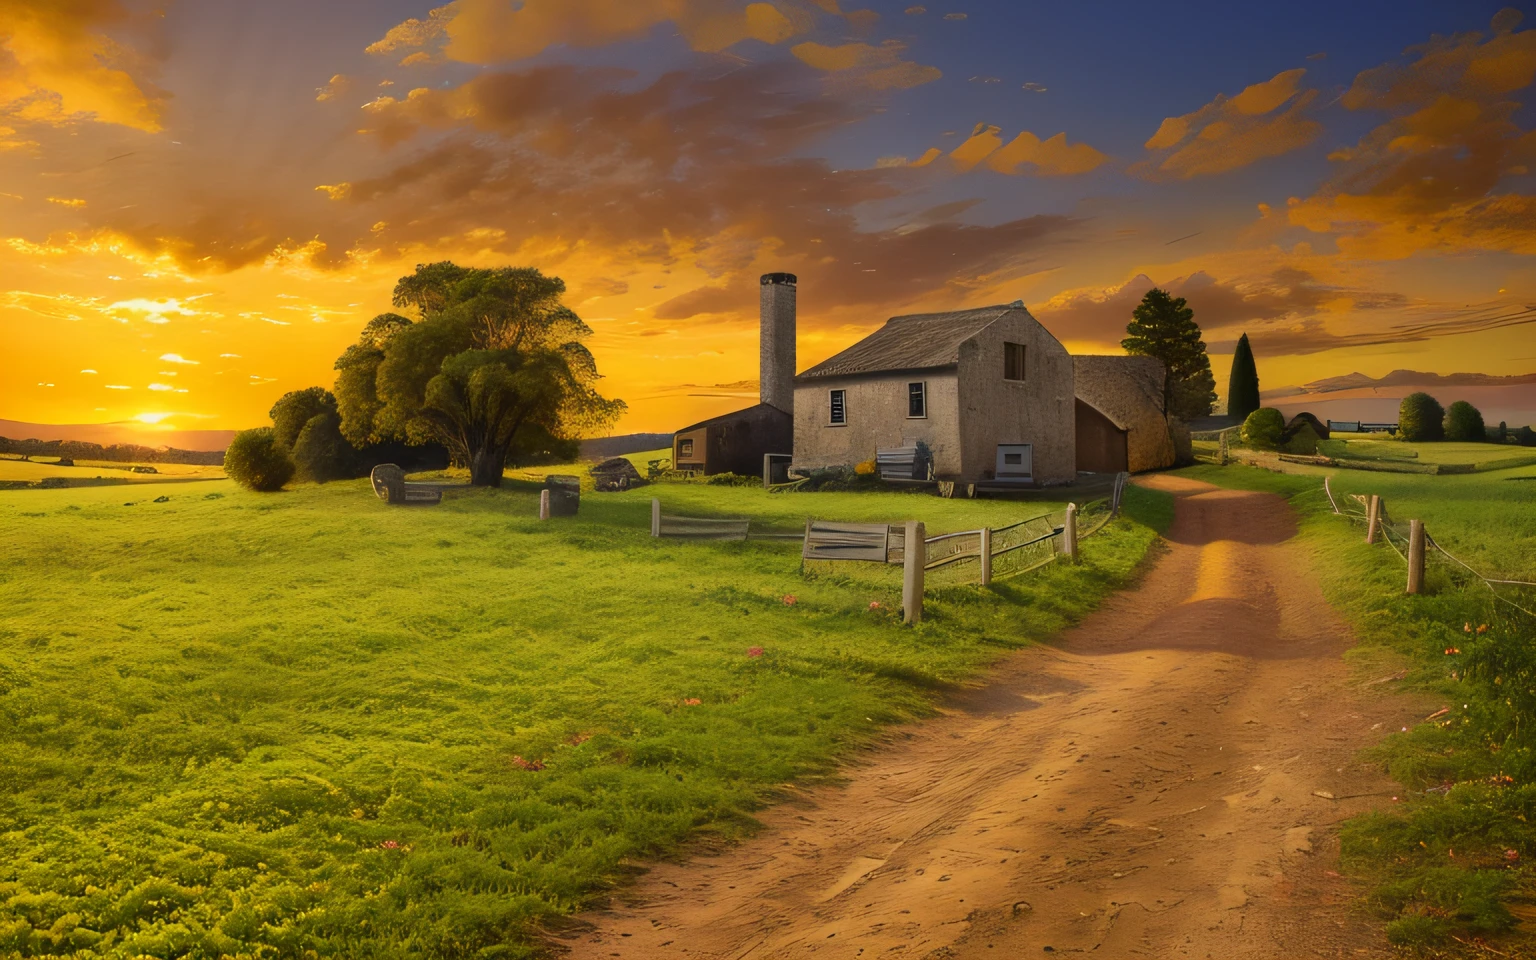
[[202, 201]]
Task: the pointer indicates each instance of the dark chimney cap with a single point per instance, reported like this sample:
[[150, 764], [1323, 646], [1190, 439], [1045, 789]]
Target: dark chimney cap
[[778, 278]]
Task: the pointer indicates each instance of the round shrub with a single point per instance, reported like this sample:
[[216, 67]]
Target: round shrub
[[1464, 423], [321, 454], [1262, 429], [1420, 417], [256, 460]]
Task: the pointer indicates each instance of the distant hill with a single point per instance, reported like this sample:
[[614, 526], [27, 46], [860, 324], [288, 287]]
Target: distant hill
[[124, 432], [1356, 396], [605, 447]]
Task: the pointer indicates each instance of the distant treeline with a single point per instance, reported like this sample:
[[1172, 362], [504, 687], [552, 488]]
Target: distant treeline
[[116, 453]]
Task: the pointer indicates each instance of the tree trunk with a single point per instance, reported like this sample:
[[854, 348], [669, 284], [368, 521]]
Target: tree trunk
[[485, 466]]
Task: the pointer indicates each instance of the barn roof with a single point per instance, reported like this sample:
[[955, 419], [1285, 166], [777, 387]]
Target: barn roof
[[758, 411], [918, 341], [1124, 389]]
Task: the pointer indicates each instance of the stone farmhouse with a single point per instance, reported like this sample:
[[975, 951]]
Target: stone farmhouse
[[987, 395]]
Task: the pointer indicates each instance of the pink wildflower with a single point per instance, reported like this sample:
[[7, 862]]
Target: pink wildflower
[[692, 702], [754, 652], [1511, 855], [390, 845], [874, 604], [789, 599]]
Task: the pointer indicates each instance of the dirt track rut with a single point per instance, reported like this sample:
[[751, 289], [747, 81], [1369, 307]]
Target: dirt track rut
[[1144, 786]]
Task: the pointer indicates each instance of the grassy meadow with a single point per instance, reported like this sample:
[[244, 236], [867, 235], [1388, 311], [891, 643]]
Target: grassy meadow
[[15, 468], [1452, 861], [308, 724]]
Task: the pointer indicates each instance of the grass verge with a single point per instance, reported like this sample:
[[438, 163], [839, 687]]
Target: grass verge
[[242, 725], [1449, 864]]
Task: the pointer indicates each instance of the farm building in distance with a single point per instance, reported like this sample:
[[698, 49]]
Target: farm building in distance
[[987, 391], [737, 442], [1121, 424]]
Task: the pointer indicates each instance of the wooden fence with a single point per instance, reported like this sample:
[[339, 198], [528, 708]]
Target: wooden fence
[[966, 557]]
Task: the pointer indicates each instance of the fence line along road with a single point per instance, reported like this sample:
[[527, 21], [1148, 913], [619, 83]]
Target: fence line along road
[[1412, 543]]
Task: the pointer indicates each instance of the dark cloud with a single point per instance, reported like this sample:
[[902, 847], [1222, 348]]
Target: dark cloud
[[688, 167]]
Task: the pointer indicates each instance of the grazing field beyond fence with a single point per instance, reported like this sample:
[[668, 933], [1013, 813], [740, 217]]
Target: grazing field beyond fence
[[265, 724]]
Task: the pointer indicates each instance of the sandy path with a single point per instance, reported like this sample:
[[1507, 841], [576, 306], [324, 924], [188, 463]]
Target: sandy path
[[1142, 788]]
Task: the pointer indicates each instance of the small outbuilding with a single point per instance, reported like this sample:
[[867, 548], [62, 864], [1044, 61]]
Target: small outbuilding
[[740, 442], [734, 442], [1121, 424]]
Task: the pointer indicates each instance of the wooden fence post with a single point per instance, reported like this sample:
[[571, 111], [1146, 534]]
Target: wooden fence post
[[544, 504], [914, 558], [986, 555], [655, 517], [1373, 519], [1415, 556], [1069, 534]]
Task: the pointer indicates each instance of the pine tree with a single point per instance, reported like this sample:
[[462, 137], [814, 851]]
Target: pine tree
[[1243, 387], [1163, 327]]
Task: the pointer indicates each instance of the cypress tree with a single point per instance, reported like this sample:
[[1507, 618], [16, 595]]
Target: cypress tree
[[1163, 327], [1243, 387]]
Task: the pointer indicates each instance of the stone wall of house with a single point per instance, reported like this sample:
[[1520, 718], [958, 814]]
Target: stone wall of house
[[877, 420], [1040, 410]]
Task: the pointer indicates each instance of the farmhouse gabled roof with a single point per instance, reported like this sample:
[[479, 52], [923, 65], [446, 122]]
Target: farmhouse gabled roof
[[918, 341]]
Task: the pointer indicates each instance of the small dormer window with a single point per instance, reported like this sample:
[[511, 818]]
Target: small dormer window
[[1013, 361]]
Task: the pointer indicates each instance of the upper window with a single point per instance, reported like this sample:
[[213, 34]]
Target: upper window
[[839, 407], [685, 448], [917, 400], [1013, 361]]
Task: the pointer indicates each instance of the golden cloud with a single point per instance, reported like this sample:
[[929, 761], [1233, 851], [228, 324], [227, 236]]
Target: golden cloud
[[1047, 158], [1026, 153], [1232, 132], [338, 85], [879, 68], [1431, 178], [493, 31], [57, 65]]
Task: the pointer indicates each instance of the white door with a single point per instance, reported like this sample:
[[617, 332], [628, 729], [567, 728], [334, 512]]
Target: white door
[[1015, 461]]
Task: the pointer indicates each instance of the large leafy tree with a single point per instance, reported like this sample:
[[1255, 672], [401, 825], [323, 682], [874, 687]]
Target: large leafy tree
[[493, 368], [1243, 386], [1162, 326]]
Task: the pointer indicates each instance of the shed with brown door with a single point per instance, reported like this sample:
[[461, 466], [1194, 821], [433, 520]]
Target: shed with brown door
[[1120, 420]]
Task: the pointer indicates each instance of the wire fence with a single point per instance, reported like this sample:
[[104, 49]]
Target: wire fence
[[1398, 534]]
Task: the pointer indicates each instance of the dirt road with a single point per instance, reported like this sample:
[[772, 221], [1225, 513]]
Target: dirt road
[[1142, 787]]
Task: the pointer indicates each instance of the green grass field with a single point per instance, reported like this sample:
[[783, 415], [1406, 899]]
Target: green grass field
[[1487, 454], [245, 725], [33, 470], [1454, 858]]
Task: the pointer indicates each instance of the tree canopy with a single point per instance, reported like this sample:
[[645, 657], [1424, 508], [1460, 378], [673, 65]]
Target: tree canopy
[[1420, 417], [1464, 422], [1243, 385], [493, 368], [1163, 326]]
